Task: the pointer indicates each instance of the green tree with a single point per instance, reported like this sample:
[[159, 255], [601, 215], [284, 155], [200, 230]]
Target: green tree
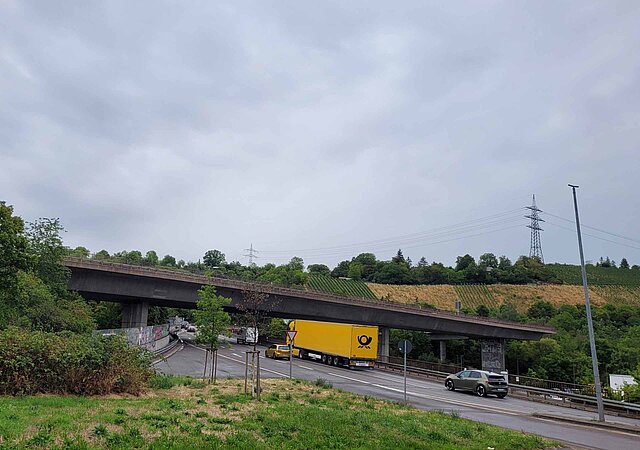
[[488, 260], [151, 258], [214, 259], [465, 262], [276, 328], [399, 258], [45, 246], [102, 255], [392, 273], [541, 310], [504, 263], [14, 256], [482, 311], [212, 321], [624, 264], [355, 271], [341, 270], [168, 261], [319, 269], [80, 252]]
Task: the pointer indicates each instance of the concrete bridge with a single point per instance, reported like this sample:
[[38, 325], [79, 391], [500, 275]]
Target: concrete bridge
[[138, 287]]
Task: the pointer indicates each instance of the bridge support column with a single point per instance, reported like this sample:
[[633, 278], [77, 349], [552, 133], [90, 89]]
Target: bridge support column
[[443, 351], [134, 315], [383, 342], [493, 355]]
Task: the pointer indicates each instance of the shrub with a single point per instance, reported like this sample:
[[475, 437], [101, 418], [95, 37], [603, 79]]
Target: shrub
[[321, 382], [66, 363]]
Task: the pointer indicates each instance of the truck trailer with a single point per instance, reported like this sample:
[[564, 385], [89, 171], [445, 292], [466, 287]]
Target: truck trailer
[[336, 344]]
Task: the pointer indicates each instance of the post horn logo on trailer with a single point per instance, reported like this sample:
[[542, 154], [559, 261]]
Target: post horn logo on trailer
[[364, 341]]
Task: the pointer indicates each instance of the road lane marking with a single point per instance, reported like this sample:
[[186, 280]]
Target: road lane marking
[[348, 378], [415, 394], [453, 402], [235, 354], [261, 368]]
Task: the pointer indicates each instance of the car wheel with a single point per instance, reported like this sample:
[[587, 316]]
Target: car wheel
[[502, 395], [481, 391], [449, 385]]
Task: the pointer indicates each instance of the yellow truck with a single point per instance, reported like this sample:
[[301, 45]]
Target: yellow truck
[[336, 344]]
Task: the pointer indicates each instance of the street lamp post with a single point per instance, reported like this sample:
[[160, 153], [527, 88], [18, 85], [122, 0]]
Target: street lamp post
[[592, 340]]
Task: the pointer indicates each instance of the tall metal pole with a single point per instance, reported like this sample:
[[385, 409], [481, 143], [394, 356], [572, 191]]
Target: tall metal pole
[[592, 339], [404, 353]]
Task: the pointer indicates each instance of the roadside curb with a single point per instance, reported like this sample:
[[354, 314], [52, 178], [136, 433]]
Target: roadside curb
[[604, 425], [162, 355]]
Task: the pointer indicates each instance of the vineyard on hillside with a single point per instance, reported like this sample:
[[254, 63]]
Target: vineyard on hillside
[[474, 295], [338, 286], [492, 296], [601, 276]]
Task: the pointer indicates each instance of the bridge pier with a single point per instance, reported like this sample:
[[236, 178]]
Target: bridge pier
[[383, 342], [134, 315], [443, 351]]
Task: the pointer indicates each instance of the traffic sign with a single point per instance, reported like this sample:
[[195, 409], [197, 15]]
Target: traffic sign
[[291, 334], [404, 344]]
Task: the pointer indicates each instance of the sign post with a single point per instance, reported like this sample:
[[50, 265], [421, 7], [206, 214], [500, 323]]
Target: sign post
[[291, 334], [405, 347]]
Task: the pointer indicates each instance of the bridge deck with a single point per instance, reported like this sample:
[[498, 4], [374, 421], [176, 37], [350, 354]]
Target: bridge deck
[[78, 266]]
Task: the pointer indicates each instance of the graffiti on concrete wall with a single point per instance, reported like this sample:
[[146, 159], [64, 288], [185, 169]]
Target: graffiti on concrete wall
[[146, 337], [493, 356]]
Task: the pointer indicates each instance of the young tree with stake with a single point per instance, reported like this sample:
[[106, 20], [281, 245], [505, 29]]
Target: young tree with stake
[[212, 321]]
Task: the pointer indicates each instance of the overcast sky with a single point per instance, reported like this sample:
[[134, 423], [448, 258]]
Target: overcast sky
[[323, 129]]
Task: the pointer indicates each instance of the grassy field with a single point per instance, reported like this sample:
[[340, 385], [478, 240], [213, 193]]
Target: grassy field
[[291, 415], [521, 296]]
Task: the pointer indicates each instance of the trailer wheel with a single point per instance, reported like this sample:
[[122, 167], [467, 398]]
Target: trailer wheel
[[324, 359], [330, 360], [336, 361]]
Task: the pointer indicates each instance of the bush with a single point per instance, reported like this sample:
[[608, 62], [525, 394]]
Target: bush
[[66, 363], [321, 382], [161, 381]]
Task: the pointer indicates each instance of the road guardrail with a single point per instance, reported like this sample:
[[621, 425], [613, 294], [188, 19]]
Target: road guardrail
[[569, 399]]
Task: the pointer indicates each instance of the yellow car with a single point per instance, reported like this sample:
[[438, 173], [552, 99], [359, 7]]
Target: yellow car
[[277, 351]]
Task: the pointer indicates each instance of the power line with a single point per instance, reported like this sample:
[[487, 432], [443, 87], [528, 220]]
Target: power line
[[595, 229], [594, 236], [348, 252], [498, 218]]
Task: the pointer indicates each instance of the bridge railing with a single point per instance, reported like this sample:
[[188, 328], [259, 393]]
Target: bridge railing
[[270, 288]]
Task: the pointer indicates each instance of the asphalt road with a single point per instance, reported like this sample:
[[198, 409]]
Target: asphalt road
[[509, 412]]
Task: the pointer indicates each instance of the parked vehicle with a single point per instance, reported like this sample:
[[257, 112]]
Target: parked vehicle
[[247, 335], [336, 344], [479, 381], [191, 328], [277, 351]]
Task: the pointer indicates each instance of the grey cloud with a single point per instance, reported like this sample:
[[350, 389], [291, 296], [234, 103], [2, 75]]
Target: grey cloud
[[183, 126]]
